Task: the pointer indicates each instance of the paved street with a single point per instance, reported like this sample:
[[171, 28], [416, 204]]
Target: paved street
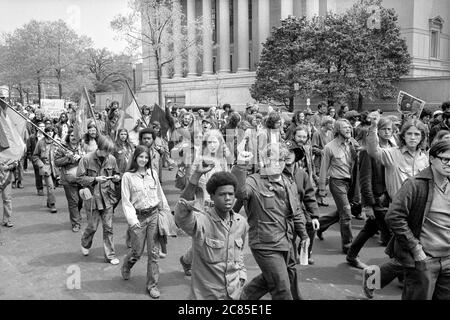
[[37, 252]]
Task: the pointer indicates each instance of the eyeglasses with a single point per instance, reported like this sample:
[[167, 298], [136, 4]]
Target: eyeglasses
[[444, 160]]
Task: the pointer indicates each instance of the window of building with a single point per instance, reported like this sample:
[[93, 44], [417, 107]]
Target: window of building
[[231, 63], [214, 64], [436, 24], [434, 45]]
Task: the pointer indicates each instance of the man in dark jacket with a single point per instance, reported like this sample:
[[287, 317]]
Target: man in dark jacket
[[419, 217], [274, 215], [31, 145], [374, 195], [444, 125], [306, 193]]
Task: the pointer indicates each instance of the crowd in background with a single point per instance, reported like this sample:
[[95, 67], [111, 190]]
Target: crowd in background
[[280, 168]]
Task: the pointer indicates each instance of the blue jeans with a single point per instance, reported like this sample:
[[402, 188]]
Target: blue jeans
[[340, 191], [94, 219], [429, 280], [7, 203], [369, 230], [148, 233], [279, 276], [74, 202]]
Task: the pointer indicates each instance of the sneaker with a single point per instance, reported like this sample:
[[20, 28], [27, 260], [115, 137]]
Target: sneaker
[[186, 267], [8, 224], [76, 228], [14, 185], [53, 209], [40, 193], [84, 251], [126, 272], [367, 292], [162, 255], [154, 293], [310, 261], [356, 262], [114, 261], [19, 185]]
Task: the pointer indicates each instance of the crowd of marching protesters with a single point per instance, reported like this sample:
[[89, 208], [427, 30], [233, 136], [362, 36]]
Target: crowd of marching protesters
[[256, 179]]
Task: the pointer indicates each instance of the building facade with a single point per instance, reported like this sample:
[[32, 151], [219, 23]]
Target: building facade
[[226, 68]]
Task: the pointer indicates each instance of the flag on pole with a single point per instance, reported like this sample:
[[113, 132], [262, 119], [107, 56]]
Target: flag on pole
[[130, 112], [82, 116], [12, 146]]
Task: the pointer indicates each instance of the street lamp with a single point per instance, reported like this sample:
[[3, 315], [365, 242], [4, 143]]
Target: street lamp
[[134, 77]]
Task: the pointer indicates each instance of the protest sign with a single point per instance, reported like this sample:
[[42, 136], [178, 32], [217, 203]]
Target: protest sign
[[52, 107], [408, 104]]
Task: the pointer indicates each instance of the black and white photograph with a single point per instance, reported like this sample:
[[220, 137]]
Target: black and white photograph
[[241, 151]]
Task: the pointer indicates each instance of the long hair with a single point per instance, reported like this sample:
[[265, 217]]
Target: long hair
[[214, 133], [67, 139], [87, 137], [132, 165], [412, 123], [119, 143], [338, 124]]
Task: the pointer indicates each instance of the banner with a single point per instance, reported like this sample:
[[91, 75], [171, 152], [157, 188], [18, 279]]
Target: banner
[[52, 107]]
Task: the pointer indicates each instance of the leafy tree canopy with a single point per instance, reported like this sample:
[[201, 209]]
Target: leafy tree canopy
[[338, 57]]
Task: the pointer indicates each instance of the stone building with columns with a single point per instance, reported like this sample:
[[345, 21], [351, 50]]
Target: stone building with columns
[[226, 68]]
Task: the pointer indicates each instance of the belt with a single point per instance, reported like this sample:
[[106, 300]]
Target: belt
[[343, 179], [146, 212]]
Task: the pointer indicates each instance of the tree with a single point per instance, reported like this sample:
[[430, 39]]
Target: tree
[[152, 22], [44, 51], [336, 57], [107, 69], [285, 61], [66, 53], [27, 52]]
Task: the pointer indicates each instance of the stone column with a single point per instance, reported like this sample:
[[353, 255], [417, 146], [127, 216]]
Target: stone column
[[312, 8], [243, 36], [224, 36], [287, 8], [263, 22], [192, 54], [177, 65], [207, 38]]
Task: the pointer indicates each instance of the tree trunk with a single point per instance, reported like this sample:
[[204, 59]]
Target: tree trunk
[[291, 104], [60, 89], [360, 102], [158, 76], [39, 90]]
